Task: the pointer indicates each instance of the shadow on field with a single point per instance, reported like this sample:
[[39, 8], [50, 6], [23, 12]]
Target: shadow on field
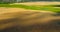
[[29, 21]]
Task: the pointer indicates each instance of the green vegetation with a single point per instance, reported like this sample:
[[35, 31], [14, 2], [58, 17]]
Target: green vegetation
[[40, 7]]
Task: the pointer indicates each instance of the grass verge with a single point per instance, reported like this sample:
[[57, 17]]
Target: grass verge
[[33, 7]]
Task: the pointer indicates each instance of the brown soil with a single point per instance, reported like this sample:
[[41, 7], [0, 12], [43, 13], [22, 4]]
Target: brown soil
[[13, 17]]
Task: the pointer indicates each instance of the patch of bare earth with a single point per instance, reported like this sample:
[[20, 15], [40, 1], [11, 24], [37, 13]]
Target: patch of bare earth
[[25, 20]]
